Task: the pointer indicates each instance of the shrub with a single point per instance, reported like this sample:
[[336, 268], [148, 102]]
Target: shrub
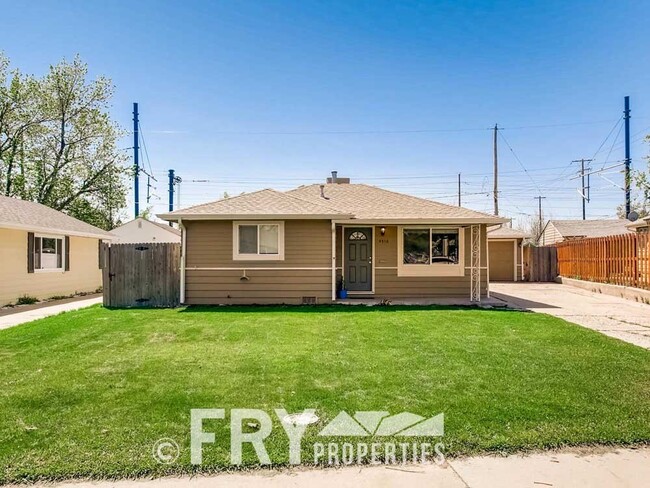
[[26, 300]]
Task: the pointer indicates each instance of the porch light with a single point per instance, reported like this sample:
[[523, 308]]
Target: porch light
[[382, 230]]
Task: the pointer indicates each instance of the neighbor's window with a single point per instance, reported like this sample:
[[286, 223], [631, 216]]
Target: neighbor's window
[[430, 246], [258, 241], [48, 252]]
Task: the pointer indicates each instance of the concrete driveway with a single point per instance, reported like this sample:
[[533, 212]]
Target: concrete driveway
[[616, 317]]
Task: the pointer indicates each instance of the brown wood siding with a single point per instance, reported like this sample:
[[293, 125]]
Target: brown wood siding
[[307, 244], [262, 286]]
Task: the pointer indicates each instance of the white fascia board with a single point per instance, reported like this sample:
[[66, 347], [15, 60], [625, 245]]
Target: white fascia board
[[431, 221], [176, 217], [54, 230]]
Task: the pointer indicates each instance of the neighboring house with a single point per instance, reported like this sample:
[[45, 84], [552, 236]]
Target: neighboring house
[[141, 230], [640, 225], [296, 246], [45, 252], [505, 253], [561, 230]]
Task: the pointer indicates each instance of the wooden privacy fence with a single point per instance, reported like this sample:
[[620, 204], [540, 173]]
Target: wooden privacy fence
[[540, 263], [141, 275], [619, 260]]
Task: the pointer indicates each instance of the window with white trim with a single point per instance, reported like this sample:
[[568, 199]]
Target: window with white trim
[[258, 241], [48, 253], [430, 251]]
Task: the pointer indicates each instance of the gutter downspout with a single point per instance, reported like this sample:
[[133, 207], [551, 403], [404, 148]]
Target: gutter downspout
[[183, 247], [333, 261]]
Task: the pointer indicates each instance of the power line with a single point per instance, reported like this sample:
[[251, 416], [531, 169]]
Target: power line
[[146, 153], [519, 160], [620, 119], [399, 131]]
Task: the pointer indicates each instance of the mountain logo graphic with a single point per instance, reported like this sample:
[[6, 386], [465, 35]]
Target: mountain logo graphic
[[379, 423]]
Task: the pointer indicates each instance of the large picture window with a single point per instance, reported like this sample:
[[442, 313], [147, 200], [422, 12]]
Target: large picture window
[[430, 251], [48, 253], [258, 241]]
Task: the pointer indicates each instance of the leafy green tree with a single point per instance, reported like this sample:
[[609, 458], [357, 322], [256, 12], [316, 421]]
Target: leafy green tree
[[59, 145], [19, 116], [642, 179]]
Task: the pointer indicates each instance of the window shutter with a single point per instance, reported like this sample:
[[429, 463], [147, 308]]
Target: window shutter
[[30, 252], [67, 253]]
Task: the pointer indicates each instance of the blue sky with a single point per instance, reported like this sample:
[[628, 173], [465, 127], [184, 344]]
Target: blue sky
[[250, 94]]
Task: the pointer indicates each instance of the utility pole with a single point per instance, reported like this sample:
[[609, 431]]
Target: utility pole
[[174, 180], [136, 162], [171, 190], [459, 189], [586, 190], [496, 172], [627, 156], [541, 220]]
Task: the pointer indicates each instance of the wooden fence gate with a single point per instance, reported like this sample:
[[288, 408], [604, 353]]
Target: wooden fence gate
[[540, 263], [141, 275]]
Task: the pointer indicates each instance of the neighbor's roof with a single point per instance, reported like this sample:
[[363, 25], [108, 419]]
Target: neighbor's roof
[[370, 203], [590, 228], [166, 227], [642, 222], [32, 216], [505, 233], [260, 204]]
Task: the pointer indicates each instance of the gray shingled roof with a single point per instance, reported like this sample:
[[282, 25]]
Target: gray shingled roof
[[506, 233], [368, 202], [260, 204], [591, 228], [32, 216], [343, 201]]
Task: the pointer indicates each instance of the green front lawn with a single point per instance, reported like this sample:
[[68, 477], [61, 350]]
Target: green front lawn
[[87, 393]]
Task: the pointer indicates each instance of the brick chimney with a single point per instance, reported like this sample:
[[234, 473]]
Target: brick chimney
[[336, 180]]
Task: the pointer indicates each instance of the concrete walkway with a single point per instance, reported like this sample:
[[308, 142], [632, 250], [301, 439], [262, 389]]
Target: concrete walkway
[[613, 316], [18, 318], [611, 469]]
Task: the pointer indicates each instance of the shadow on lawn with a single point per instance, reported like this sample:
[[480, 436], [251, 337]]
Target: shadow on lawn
[[335, 308]]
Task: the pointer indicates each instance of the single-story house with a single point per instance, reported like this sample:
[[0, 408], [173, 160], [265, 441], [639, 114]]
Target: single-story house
[[506, 253], [562, 230], [45, 252], [300, 246], [640, 225], [141, 230]]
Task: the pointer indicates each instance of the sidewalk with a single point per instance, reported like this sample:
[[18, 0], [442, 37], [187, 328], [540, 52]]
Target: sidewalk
[[13, 319], [606, 468]]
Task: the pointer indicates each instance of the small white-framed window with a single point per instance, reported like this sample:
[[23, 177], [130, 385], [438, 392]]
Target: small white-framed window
[[430, 251], [258, 241], [49, 253]]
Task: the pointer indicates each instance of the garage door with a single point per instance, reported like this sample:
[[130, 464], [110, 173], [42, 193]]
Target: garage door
[[502, 261]]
